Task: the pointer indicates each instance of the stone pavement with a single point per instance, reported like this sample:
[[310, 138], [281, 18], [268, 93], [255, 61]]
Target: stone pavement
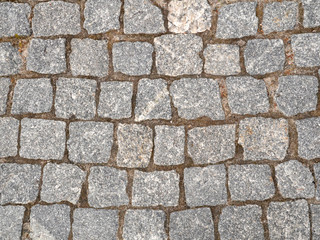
[[159, 119]]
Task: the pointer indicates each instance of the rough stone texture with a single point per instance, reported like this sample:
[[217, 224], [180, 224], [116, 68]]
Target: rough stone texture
[[47, 56], [14, 19], [89, 57], [193, 224], [107, 187], [10, 59], [178, 54], [44, 139], [62, 182], [32, 96], [153, 100], [237, 20], [205, 186], [11, 222], [247, 95], [222, 59], [250, 182], [311, 17], [19, 183], [101, 15], [56, 18], [155, 188], [49, 222], [141, 16], [316, 167], [90, 142], [95, 224], [144, 224], [134, 145], [4, 91], [263, 56], [219, 142], [264, 138], [280, 16], [289, 220], [169, 145], [132, 58], [241, 222], [9, 128], [75, 97], [315, 218], [197, 97]]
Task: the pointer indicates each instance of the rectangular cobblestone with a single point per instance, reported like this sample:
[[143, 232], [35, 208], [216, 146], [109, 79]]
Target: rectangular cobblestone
[[9, 128], [11, 222], [315, 218], [4, 91], [10, 59], [311, 16], [316, 168]]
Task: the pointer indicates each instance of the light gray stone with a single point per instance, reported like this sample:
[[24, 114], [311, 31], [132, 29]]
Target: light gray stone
[[153, 100], [4, 91], [178, 54], [315, 218], [311, 17], [107, 187], [217, 141], [10, 59], [316, 168], [19, 183], [11, 222], [197, 97], [155, 188], [9, 129], [264, 138]]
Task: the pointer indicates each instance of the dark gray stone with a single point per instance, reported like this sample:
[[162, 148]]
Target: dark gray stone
[[316, 168], [311, 17], [10, 59], [11, 222], [315, 218], [9, 129], [4, 91]]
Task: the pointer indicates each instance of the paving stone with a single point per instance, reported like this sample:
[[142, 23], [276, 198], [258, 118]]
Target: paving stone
[[178, 54], [311, 16], [14, 19], [316, 167], [134, 145], [153, 100], [50, 222], [10, 59], [264, 138], [289, 220], [197, 97], [263, 56], [19, 183], [250, 182], [75, 97], [107, 187], [315, 218], [237, 20], [90, 142], [44, 139], [189, 16], [155, 188], [101, 15], [89, 57], [47, 56], [56, 18], [141, 16], [9, 129], [4, 91], [222, 59], [11, 222], [193, 224], [62, 182], [219, 142], [241, 222], [95, 224], [247, 95], [132, 58], [205, 186], [169, 145], [32, 96], [144, 224]]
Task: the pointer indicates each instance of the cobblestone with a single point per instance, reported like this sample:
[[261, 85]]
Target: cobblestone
[[9, 128], [10, 59], [311, 17], [315, 218], [11, 221], [4, 91], [316, 168]]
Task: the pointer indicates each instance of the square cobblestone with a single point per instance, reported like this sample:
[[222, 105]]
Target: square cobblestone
[[315, 218], [10, 59], [316, 168], [11, 222], [9, 129], [4, 91], [311, 16]]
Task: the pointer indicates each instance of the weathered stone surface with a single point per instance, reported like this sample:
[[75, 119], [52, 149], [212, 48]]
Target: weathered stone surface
[[134, 145], [144, 224], [315, 218], [196, 224], [10, 59], [211, 144], [250, 182], [9, 129], [89, 57], [197, 97], [155, 188], [264, 138], [56, 18], [241, 222], [237, 20], [4, 91], [19, 183], [11, 222], [289, 220], [205, 186], [178, 54], [153, 100], [44, 139], [32, 96], [316, 168], [107, 187], [311, 17], [263, 56]]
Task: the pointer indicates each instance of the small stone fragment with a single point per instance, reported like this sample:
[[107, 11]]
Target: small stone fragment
[[9, 129], [315, 218], [311, 17], [4, 91], [10, 59], [316, 168], [11, 221]]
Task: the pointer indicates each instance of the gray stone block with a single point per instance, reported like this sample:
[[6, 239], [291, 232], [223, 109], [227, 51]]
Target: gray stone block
[[4, 91], [11, 222], [311, 17], [9, 129], [315, 218], [10, 61], [316, 168]]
